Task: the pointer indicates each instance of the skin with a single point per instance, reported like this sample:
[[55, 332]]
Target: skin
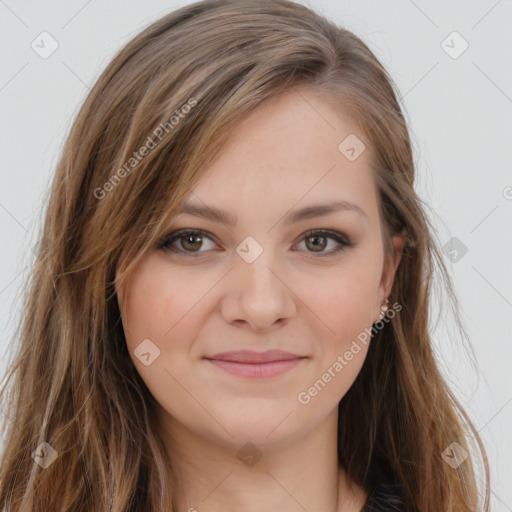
[[282, 158]]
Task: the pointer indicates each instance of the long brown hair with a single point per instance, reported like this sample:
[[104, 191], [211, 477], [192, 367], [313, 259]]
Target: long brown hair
[[178, 89]]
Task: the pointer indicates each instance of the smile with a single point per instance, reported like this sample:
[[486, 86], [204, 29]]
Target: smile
[[256, 370], [256, 365]]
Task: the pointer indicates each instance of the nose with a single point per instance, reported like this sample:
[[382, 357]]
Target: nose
[[259, 296]]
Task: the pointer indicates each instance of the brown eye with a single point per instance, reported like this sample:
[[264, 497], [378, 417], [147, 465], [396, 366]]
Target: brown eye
[[192, 242], [186, 242], [316, 243]]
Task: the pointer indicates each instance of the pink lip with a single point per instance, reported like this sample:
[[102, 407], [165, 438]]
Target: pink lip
[[247, 363]]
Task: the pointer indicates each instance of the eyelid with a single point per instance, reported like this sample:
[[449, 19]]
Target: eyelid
[[340, 238]]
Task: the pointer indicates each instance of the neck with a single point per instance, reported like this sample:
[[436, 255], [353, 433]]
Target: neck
[[289, 475]]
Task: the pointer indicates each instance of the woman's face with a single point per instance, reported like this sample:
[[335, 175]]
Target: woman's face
[[266, 282]]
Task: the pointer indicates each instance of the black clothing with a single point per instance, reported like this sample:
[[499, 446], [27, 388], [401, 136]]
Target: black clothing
[[385, 497]]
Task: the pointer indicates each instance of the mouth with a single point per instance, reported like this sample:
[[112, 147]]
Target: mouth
[[247, 363]]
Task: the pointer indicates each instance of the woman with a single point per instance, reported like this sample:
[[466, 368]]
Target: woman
[[230, 306]]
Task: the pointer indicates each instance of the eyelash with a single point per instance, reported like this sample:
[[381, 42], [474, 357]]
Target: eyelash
[[166, 242]]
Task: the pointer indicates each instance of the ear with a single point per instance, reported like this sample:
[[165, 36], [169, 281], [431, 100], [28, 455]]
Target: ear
[[389, 270]]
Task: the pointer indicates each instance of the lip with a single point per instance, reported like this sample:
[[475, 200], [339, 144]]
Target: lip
[[253, 357], [248, 363]]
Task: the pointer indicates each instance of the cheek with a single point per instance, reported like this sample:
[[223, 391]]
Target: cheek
[[342, 299], [167, 306], [342, 327], [163, 308], [142, 310], [159, 304]]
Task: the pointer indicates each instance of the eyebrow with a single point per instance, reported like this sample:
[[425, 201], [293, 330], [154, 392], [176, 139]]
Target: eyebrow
[[309, 212]]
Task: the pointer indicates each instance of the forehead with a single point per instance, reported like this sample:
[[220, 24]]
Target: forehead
[[287, 153]]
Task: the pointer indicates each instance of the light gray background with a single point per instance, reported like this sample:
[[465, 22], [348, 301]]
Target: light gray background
[[460, 116]]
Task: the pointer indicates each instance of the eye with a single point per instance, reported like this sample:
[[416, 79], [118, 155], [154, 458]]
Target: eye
[[190, 241], [317, 242]]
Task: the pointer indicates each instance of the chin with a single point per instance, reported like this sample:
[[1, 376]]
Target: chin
[[265, 425]]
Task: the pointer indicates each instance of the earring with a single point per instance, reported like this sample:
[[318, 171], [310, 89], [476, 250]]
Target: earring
[[384, 308]]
